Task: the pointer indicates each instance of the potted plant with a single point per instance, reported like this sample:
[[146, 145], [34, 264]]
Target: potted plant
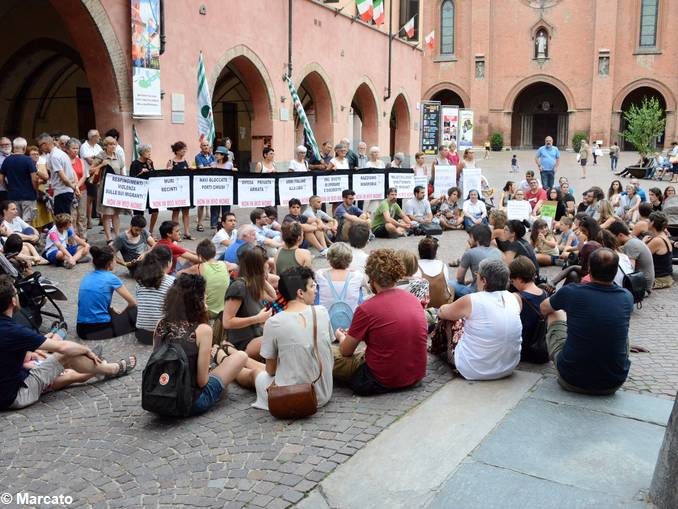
[[496, 142]]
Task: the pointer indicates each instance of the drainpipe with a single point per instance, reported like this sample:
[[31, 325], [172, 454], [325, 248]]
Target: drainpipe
[[163, 39], [387, 96], [289, 38]]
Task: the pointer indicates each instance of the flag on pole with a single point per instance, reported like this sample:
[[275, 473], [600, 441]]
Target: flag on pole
[[205, 117], [135, 139], [378, 14], [430, 39], [364, 9], [309, 139], [409, 28]]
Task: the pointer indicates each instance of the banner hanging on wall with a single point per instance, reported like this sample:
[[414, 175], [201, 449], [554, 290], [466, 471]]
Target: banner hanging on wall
[[465, 130], [146, 101]]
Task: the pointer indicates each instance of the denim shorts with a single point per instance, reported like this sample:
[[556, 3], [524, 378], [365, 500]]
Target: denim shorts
[[209, 395]]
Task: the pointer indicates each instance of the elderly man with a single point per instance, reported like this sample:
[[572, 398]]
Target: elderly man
[[588, 329], [5, 151], [203, 159], [19, 174], [88, 151], [398, 159], [247, 239], [362, 155], [63, 179], [326, 155], [350, 155], [62, 141], [547, 160]]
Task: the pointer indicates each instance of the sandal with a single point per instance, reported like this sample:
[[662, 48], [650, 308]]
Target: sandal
[[125, 366], [188, 236], [214, 360], [455, 263], [200, 228]]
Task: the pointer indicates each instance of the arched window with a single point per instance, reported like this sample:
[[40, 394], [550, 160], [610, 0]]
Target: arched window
[[648, 23], [447, 27]]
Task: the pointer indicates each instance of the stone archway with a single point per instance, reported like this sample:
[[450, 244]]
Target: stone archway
[[399, 126], [242, 101], [448, 94], [365, 115], [317, 98], [539, 110], [633, 94]]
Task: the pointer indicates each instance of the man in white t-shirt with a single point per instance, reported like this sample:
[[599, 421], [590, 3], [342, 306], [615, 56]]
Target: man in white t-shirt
[[418, 209], [63, 180], [314, 211], [225, 235]]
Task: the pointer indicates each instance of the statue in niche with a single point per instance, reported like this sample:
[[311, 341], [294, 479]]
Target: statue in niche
[[541, 44], [480, 69]]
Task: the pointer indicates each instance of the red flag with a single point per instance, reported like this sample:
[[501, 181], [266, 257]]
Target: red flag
[[430, 40]]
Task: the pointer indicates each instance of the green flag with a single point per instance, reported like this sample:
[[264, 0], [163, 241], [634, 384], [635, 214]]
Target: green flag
[[308, 132], [135, 136], [205, 117]]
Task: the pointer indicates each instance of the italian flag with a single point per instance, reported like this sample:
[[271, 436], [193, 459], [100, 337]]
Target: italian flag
[[378, 15], [364, 9], [430, 40], [409, 28]]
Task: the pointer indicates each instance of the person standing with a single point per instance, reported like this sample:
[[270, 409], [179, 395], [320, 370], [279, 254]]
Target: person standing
[[142, 168], [178, 162], [548, 161], [362, 155], [62, 176], [350, 155], [584, 151], [268, 163], [5, 151], [19, 173], [109, 215], [79, 204], [203, 159], [88, 151], [614, 155]]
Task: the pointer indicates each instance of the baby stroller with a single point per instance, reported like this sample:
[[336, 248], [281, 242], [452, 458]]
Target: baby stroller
[[36, 297], [670, 208]]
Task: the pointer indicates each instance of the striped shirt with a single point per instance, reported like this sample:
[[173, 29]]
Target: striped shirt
[[151, 303]]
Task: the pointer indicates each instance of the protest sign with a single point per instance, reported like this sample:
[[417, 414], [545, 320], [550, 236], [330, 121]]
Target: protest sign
[[329, 187], [256, 192], [471, 180], [403, 182], [295, 187], [518, 209], [212, 190], [369, 186], [421, 180], [169, 191], [446, 177], [125, 192]]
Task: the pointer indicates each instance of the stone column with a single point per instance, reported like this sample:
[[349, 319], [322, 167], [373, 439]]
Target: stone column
[[664, 487]]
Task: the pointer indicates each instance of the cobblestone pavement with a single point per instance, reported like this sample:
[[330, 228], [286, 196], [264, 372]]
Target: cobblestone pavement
[[96, 444]]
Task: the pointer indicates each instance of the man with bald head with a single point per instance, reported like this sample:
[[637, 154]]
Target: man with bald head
[[547, 161], [588, 329]]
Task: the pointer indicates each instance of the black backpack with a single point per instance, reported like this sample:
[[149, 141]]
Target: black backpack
[[635, 283], [166, 383]]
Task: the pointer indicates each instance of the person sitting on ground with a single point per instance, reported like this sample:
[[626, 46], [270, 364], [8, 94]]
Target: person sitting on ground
[[272, 218], [479, 249], [642, 226], [291, 255], [474, 209], [544, 244], [314, 211], [497, 221], [20, 387], [97, 318], [524, 185], [313, 229], [16, 249], [348, 215], [588, 326], [522, 273], [536, 196], [133, 244], [297, 341], [246, 240], [267, 238], [395, 354], [389, 220], [489, 345], [225, 235], [216, 274], [609, 240], [62, 245], [418, 208], [435, 272], [411, 282], [659, 244], [339, 283], [185, 324], [568, 239], [450, 213], [14, 224], [244, 311], [515, 244], [153, 283], [169, 236], [637, 251], [358, 237]]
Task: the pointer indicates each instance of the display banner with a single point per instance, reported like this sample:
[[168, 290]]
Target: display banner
[[212, 190], [450, 122], [125, 192], [430, 127], [518, 209], [295, 187], [171, 191], [403, 182], [446, 177], [471, 180], [465, 130], [146, 94], [369, 187], [329, 187], [256, 192]]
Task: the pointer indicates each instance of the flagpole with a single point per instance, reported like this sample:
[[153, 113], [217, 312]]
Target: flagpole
[[289, 38], [387, 95]]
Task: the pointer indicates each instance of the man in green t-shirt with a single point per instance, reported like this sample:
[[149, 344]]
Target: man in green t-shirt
[[388, 220]]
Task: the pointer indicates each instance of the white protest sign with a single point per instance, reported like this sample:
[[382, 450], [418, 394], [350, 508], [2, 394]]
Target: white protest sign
[[471, 180], [256, 192], [212, 190], [421, 180], [169, 191], [329, 187], [125, 192], [446, 177], [403, 182], [369, 186], [295, 187], [518, 209]]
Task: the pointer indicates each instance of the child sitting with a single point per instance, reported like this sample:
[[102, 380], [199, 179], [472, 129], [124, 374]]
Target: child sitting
[[544, 244], [568, 240], [63, 246]]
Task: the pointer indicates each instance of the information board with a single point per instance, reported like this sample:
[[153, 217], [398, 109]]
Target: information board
[[430, 127]]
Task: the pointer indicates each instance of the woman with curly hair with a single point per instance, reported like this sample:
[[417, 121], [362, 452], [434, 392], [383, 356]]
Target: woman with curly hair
[[395, 354]]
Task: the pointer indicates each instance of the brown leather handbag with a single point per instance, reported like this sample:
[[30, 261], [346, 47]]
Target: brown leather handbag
[[299, 400]]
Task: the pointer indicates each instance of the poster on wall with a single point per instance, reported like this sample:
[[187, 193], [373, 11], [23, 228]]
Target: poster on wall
[[146, 99], [429, 129], [450, 124], [465, 130]]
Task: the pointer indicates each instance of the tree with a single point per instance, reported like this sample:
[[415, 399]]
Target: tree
[[644, 124]]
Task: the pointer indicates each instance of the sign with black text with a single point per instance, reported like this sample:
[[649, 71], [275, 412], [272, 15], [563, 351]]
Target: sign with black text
[[430, 127], [403, 182], [329, 187], [164, 192], [295, 187], [212, 190], [369, 186], [125, 192], [256, 192]]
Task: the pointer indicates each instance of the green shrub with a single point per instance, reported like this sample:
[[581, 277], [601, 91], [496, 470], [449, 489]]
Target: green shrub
[[496, 142], [576, 141]]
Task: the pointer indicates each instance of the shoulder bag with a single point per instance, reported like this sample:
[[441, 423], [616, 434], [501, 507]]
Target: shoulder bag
[[299, 400]]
